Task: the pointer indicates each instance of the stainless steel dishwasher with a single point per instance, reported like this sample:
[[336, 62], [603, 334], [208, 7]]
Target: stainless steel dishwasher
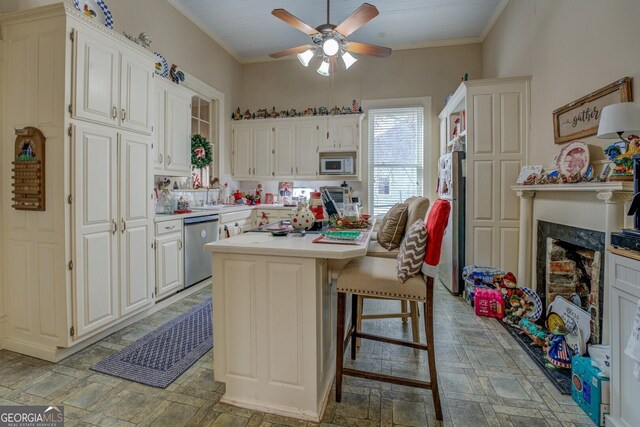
[[198, 231]]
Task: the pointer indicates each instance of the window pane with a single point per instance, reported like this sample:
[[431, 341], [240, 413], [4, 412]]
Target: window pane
[[195, 129], [395, 156], [204, 110], [204, 130], [194, 106]]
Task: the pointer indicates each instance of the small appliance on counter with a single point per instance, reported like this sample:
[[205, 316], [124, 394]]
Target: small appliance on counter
[[629, 238], [340, 195]]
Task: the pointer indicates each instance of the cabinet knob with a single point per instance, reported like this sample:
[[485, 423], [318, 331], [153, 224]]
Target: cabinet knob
[[124, 226], [161, 159], [114, 226], [168, 159], [123, 115], [114, 112], [179, 244]]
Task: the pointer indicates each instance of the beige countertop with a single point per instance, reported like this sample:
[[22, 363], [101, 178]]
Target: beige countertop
[[218, 209], [292, 245]]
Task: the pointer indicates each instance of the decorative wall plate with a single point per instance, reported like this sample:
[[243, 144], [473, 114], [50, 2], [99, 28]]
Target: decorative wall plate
[[533, 298], [573, 158], [162, 66], [95, 9]]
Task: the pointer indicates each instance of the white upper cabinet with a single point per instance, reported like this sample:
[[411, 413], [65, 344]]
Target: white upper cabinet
[[283, 151], [242, 152], [178, 131], [160, 112], [262, 151], [112, 85], [136, 93], [97, 70], [306, 150], [291, 147]]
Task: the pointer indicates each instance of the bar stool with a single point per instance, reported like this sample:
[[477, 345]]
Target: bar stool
[[417, 210], [376, 277]]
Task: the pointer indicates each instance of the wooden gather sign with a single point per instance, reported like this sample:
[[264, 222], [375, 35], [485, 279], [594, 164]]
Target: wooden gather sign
[[581, 117]]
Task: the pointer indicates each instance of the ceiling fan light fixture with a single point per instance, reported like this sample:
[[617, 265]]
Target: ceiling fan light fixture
[[330, 46], [305, 57], [348, 60], [323, 70]]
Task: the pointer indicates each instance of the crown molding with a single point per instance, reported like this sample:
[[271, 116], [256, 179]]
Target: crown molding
[[35, 13], [193, 18], [494, 18]]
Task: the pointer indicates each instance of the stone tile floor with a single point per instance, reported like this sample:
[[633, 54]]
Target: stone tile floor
[[485, 380]]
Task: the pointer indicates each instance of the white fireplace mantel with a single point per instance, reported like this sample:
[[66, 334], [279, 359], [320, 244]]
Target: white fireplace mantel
[[595, 206], [612, 194]]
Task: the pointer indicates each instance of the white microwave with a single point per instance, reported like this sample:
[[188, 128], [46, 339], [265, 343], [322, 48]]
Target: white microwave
[[339, 165]]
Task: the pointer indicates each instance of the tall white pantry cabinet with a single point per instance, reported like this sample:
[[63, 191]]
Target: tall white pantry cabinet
[[495, 134], [86, 263]]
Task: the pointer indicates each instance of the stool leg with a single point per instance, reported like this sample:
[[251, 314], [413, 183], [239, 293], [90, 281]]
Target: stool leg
[[428, 326], [359, 322], [415, 325], [342, 303], [354, 322], [403, 309]]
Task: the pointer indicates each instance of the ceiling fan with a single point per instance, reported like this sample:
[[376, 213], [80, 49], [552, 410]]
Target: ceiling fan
[[328, 41]]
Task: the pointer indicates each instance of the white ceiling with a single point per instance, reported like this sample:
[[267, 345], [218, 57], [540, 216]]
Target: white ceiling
[[249, 32]]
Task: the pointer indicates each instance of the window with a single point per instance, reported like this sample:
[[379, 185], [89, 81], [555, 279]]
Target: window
[[396, 161], [201, 124]]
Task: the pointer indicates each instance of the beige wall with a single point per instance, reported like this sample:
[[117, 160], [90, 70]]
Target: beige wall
[[571, 48], [431, 72]]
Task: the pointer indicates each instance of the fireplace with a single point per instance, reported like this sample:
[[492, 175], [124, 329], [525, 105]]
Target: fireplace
[[570, 263]]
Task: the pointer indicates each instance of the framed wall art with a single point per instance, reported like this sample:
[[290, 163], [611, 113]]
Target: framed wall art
[[581, 117]]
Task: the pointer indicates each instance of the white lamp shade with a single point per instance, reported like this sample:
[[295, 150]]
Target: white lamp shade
[[348, 59], [616, 118], [305, 57], [330, 47], [323, 70]]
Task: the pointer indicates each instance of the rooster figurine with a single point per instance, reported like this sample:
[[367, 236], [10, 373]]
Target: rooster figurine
[[87, 11], [176, 75]]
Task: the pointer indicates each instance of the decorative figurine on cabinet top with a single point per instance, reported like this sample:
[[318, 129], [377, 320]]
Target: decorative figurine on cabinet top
[[176, 76]]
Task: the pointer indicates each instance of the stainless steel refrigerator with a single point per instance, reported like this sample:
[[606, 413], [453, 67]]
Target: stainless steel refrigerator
[[451, 187]]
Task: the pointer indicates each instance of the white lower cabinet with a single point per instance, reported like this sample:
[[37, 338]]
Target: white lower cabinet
[[112, 226], [95, 268], [169, 264], [624, 282], [136, 227]]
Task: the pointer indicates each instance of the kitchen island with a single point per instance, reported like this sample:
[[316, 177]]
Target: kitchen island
[[274, 314]]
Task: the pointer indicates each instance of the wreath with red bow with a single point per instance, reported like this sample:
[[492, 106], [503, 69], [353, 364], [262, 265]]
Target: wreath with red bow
[[200, 151]]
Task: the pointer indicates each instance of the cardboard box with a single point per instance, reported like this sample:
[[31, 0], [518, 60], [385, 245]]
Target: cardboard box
[[589, 390]]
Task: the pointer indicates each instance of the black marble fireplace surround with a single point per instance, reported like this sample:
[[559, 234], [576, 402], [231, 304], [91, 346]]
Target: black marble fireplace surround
[[589, 239]]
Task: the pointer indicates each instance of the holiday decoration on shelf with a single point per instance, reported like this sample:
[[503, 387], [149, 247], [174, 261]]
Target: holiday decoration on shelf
[[264, 113], [621, 154], [175, 75]]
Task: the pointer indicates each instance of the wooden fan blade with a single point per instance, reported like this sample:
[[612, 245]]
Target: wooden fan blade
[[361, 16], [291, 51], [333, 64], [294, 22], [368, 49]]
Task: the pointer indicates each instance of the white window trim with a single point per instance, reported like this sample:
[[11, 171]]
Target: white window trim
[[429, 153], [218, 121]]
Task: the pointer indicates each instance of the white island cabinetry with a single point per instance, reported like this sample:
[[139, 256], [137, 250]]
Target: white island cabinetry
[[274, 321]]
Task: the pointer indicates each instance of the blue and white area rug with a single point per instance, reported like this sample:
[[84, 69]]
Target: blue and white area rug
[[161, 356]]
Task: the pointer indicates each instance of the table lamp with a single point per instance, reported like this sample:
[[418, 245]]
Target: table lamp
[[619, 121]]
